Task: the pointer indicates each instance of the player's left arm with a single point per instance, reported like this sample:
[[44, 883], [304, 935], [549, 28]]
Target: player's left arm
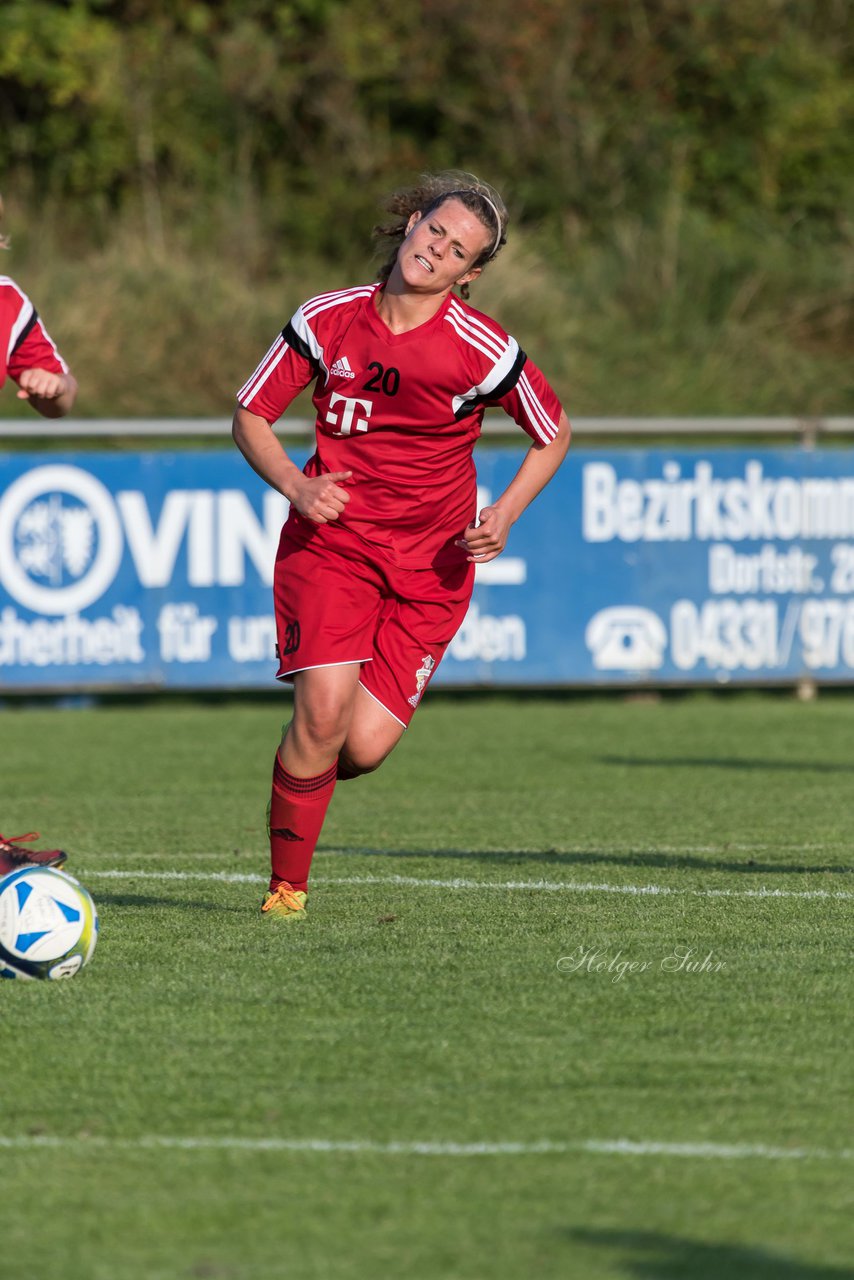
[[487, 538]]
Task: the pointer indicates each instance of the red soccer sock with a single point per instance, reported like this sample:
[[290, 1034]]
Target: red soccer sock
[[297, 810]]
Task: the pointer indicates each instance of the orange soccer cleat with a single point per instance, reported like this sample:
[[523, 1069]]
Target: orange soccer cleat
[[285, 903]]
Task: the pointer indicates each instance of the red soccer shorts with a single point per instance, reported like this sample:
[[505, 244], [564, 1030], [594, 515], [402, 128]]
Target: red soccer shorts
[[338, 600]]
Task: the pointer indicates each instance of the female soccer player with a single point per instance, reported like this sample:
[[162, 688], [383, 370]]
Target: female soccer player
[[28, 355], [376, 562]]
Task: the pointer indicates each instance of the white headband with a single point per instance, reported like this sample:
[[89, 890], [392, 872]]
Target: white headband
[[497, 221]]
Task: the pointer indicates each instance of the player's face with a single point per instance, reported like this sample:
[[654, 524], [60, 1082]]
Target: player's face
[[440, 248]]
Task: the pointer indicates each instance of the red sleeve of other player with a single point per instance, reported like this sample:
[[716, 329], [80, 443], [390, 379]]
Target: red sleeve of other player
[[26, 343]]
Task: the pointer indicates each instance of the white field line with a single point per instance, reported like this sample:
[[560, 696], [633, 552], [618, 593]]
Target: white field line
[[326, 1146], [416, 882], [349, 851]]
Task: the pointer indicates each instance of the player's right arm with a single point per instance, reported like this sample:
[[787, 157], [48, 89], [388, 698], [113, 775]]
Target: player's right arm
[[317, 498]]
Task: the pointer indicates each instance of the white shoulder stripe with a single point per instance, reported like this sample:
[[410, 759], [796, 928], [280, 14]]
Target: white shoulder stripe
[[23, 317], [540, 420], [477, 326], [476, 332], [340, 293], [468, 336], [259, 382], [494, 349], [328, 293], [545, 429], [323, 303], [538, 404], [247, 391]]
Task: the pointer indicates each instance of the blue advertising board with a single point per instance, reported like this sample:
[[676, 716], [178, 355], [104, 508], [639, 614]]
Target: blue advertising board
[[654, 566]]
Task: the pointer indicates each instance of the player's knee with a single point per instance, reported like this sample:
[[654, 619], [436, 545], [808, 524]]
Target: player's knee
[[321, 727]]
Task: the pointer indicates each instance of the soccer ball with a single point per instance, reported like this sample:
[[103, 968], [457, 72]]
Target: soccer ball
[[48, 924]]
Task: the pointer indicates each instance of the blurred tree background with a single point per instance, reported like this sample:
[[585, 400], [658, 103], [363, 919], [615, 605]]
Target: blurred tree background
[[178, 176]]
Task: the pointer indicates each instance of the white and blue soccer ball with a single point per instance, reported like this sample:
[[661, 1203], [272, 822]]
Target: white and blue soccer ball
[[48, 924]]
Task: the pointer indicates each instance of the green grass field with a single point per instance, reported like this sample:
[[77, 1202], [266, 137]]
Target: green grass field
[[409, 1084]]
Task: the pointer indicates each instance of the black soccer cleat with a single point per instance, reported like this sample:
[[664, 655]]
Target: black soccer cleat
[[13, 857]]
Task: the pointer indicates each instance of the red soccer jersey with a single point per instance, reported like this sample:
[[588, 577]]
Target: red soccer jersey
[[401, 411], [24, 341]]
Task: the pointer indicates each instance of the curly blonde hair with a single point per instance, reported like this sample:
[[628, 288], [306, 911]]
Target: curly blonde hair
[[433, 190]]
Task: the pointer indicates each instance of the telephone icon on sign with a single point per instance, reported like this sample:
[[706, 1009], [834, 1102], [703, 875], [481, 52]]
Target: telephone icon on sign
[[626, 638]]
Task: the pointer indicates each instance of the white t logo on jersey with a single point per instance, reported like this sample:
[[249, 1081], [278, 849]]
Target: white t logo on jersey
[[347, 417]]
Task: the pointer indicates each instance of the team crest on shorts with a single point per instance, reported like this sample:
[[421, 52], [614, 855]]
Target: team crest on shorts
[[422, 675]]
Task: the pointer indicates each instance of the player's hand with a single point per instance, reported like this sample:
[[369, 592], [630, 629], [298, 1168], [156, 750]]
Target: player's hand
[[41, 384], [487, 538], [322, 498]]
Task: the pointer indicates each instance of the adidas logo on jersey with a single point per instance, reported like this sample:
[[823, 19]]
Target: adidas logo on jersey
[[341, 369]]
